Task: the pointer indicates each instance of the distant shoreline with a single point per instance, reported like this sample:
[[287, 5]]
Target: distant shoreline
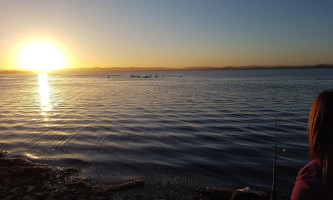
[[147, 69]]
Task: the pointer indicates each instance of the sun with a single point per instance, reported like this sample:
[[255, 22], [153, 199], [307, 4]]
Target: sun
[[41, 56]]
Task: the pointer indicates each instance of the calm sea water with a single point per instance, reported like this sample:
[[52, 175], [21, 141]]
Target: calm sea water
[[218, 125]]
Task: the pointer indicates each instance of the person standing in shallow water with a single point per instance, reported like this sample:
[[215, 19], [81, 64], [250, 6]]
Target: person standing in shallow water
[[315, 180]]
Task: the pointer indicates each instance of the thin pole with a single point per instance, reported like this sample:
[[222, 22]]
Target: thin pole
[[273, 194]]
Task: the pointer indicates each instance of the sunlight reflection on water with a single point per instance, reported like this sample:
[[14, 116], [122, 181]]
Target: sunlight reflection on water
[[29, 155], [44, 93]]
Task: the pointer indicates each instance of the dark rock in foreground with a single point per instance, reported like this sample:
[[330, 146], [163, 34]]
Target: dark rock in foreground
[[23, 179]]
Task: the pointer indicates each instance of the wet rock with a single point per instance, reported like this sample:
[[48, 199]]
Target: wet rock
[[12, 162], [3, 154], [22, 179], [239, 195], [3, 174], [71, 170], [125, 185], [213, 193]]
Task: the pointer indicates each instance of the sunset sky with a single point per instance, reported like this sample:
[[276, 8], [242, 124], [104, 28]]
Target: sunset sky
[[170, 33]]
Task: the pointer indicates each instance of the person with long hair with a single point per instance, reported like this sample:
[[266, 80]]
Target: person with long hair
[[315, 180]]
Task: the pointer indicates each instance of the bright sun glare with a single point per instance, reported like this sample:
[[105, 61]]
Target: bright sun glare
[[41, 56]]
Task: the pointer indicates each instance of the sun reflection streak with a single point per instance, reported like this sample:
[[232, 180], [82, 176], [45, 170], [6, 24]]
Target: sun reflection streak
[[44, 93], [31, 156]]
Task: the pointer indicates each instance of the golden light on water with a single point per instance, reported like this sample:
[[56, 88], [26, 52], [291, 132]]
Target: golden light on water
[[29, 155], [44, 93], [41, 56]]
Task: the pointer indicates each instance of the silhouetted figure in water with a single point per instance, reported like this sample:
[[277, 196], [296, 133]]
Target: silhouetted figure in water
[[315, 180]]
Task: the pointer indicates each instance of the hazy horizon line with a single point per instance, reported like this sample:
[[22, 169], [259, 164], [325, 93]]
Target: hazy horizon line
[[139, 69]]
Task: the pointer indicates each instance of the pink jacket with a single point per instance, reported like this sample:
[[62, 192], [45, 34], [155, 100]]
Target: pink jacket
[[309, 184]]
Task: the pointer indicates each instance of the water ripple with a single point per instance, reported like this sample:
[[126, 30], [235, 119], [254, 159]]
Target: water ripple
[[219, 124]]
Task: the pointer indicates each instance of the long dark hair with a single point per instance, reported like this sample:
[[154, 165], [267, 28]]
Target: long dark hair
[[320, 127]]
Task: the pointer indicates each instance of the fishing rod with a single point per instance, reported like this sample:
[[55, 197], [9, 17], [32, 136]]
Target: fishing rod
[[273, 194]]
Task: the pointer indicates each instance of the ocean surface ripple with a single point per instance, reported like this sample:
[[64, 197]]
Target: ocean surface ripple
[[218, 125]]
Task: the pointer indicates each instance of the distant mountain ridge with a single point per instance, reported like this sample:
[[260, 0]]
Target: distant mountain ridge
[[144, 69]]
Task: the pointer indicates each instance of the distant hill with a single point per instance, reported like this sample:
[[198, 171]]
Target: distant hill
[[15, 72], [260, 67], [145, 69]]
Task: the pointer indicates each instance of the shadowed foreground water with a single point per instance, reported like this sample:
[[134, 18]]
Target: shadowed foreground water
[[216, 125]]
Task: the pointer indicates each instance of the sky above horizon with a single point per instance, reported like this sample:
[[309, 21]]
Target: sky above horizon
[[173, 33]]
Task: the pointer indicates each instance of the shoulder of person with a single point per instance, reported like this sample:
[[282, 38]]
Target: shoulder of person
[[311, 172]]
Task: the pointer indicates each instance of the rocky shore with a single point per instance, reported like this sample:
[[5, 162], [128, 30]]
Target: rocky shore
[[23, 179]]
